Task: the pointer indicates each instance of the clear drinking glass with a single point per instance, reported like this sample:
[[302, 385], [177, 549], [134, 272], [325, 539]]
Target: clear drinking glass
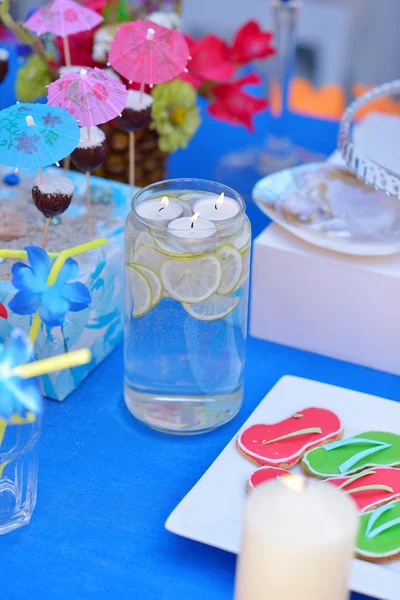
[[18, 470], [186, 306]]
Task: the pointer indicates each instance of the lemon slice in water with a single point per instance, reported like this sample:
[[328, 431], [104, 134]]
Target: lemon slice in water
[[141, 292], [191, 280], [216, 307], [154, 282], [242, 239], [232, 267], [150, 257]]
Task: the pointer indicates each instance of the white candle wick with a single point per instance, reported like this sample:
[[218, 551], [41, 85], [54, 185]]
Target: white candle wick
[[83, 73], [220, 201], [29, 121], [194, 219], [150, 33], [164, 203]]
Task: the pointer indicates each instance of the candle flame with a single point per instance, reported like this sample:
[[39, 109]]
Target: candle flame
[[165, 201], [220, 201], [194, 219], [294, 482]]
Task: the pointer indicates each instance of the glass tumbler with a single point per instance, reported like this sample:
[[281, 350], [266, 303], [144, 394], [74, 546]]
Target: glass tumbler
[[18, 470], [187, 264]]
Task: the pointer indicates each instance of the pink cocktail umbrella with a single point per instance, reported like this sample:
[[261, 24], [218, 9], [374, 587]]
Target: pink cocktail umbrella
[[146, 53], [63, 18], [92, 97]]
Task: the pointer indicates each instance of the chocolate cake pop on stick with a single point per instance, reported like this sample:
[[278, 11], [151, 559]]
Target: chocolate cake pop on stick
[[89, 155], [135, 116], [52, 195], [4, 54]]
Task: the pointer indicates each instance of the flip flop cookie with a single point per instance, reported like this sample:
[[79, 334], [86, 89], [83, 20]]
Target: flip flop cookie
[[345, 457], [370, 488], [266, 474], [282, 444], [379, 534]]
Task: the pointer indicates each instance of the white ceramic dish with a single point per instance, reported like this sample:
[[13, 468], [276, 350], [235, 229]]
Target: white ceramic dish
[[211, 512]]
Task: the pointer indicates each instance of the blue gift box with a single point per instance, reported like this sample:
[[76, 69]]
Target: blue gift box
[[100, 326]]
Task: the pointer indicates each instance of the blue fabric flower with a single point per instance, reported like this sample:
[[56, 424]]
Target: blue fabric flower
[[51, 301], [17, 396]]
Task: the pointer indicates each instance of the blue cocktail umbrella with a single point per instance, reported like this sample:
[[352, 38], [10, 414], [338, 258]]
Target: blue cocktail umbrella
[[34, 136]]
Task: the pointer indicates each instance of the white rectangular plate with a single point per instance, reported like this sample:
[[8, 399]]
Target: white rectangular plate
[[211, 512]]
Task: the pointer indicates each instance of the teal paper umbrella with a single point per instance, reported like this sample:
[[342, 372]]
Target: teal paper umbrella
[[34, 136]]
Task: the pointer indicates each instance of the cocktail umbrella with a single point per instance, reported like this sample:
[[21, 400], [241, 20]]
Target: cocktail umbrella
[[34, 136], [63, 18], [146, 53], [93, 98]]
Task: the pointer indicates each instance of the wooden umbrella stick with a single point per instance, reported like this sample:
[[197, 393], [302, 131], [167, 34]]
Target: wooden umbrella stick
[[141, 93], [89, 205], [67, 52], [46, 232], [67, 163], [41, 178], [132, 159], [88, 134]]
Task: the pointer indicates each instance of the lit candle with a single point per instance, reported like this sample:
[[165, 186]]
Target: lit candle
[[298, 541], [156, 209], [192, 233], [216, 208]]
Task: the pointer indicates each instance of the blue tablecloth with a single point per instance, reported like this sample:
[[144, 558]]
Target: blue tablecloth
[[107, 483]]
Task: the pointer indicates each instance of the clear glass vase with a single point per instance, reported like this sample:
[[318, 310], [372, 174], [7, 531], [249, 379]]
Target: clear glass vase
[[186, 307], [18, 470]]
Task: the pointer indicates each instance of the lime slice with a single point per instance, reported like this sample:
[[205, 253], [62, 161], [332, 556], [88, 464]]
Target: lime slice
[[154, 282], [141, 292], [166, 249], [232, 267], [216, 307], [150, 257], [143, 239], [242, 239], [246, 269], [191, 280]]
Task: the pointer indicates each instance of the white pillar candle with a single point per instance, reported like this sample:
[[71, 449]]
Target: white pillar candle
[[217, 208], [298, 541], [159, 209], [192, 233]]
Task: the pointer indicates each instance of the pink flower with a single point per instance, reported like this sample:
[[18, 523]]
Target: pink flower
[[70, 15], [210, 61], [100, 91], [251, 43], [231, 104]]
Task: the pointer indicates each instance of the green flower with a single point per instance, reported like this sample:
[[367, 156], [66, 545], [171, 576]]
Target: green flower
[[32, 79], [175, 115]]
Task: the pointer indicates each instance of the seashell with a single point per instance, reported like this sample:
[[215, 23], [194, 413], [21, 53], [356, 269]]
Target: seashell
[[12, 226]]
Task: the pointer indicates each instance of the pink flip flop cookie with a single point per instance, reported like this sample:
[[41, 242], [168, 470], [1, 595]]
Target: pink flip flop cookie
[[265, 474], [370, 488], [283, 444]]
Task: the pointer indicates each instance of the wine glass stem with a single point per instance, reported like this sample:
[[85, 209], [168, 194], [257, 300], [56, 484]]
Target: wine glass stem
[[285, 17]]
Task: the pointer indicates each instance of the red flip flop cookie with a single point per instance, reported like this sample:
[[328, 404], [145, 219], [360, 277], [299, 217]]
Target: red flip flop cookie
[[370, 488], [265, 474], [282, 444]]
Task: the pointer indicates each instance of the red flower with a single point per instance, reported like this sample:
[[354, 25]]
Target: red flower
[[3, 311], [232, 105], [210, 61], [251, 43], [100, 91], [70, 15]]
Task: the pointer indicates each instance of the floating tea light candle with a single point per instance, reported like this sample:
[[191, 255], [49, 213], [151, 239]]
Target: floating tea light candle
[[159, 209], [216, 208], [192, 233]]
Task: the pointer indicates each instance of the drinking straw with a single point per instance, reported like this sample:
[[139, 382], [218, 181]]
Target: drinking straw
[[54, 363]]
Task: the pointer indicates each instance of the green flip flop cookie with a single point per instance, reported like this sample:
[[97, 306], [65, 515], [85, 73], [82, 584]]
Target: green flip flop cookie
[[350, 455], [379, 534]]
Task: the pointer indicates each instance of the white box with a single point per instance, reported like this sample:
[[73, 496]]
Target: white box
[[340, 306]]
